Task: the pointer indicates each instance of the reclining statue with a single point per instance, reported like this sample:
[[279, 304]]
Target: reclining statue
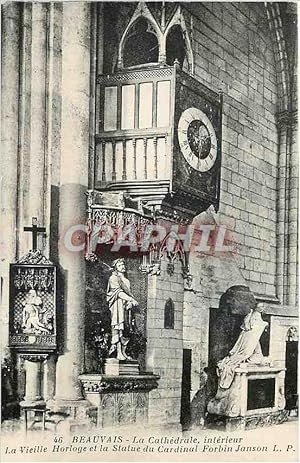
[[246, 349]]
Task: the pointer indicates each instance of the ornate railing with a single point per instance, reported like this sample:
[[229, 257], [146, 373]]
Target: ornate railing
[[134, 119]]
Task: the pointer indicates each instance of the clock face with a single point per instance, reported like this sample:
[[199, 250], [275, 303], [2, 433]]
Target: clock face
[[197, 139]]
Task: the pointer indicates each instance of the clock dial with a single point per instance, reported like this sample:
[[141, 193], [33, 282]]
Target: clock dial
[[197, 139]]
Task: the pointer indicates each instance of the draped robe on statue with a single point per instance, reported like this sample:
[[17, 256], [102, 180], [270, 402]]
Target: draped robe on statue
[[247, 348], [117, 286]]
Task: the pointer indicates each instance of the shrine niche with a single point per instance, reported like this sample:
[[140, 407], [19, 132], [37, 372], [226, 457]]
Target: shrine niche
[[225, 322], [98, 324], [33, 304], [248, 385]]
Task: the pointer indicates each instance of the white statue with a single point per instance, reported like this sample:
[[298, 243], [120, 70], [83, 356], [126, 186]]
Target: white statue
[[120, 302], [246, 349], [31, 321]]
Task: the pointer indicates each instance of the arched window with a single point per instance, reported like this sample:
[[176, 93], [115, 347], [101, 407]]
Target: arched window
[[169, 314], [141, 44], [176, 48]]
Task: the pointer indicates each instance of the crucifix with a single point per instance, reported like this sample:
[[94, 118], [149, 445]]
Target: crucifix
[[35, 230]]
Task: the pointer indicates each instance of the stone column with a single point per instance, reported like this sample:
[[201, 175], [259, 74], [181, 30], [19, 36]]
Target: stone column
[[49, 377], [24, 240], [281, 215], [293, 195], [287, 218], [9, 139], [74, 178], [33, 394], [38, 114]]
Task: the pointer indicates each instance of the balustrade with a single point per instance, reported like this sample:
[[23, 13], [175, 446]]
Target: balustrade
[[134, 119], [131, 158]]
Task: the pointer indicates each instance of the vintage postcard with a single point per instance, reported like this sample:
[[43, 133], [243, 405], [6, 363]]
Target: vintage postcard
[[149, 211]]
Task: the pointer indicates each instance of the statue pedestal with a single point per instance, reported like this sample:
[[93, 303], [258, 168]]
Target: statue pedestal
[[255, 398], [118, 400], [115, 367]]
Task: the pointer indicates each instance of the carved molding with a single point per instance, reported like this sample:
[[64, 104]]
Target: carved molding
[[292, 334], [41, 279], [34, 258], [187, 278], [34, 357], [248, 422], [268, 419], [287, 118], [171, 216], [161, 31], [107, 384], [150, 269], [145, 73]]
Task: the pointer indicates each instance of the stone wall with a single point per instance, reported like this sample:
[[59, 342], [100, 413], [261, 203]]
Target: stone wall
[[234, 53], [164, 346], [278, 337]]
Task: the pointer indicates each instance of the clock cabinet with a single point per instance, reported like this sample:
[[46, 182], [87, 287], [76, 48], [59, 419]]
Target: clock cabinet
[[158, 138]]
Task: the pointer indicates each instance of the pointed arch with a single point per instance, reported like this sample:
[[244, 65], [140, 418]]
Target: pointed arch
[[178, 20], [141, 11], [280, 52]]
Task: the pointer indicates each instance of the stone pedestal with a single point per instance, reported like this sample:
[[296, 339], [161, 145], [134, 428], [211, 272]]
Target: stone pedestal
[[115, 367], [118, 400], [255, 398]]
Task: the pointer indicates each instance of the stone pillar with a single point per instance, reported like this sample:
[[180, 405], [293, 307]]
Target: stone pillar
[[165, 346], [74, 178], [287, 224], [293, 195], [38, 114], [33, 394], [281, 215], [9, 140], [24, 215], [49, 377]]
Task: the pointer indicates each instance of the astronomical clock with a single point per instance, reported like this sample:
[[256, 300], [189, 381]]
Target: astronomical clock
[[196, 145], [159, 139]]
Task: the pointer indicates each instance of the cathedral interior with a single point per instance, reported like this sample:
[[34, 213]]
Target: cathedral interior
[[149, 214]]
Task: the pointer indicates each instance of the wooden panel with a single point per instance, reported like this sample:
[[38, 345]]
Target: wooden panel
[[163, 161], [110, 108], [128, 106], [104, 161], [119, 160], [129, 160], [150, 160], [108, 161], [139, 158], [98, 164], [145, 105], [163, 103]]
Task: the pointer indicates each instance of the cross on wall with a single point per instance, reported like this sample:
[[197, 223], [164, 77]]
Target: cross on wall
[[35, 230]]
